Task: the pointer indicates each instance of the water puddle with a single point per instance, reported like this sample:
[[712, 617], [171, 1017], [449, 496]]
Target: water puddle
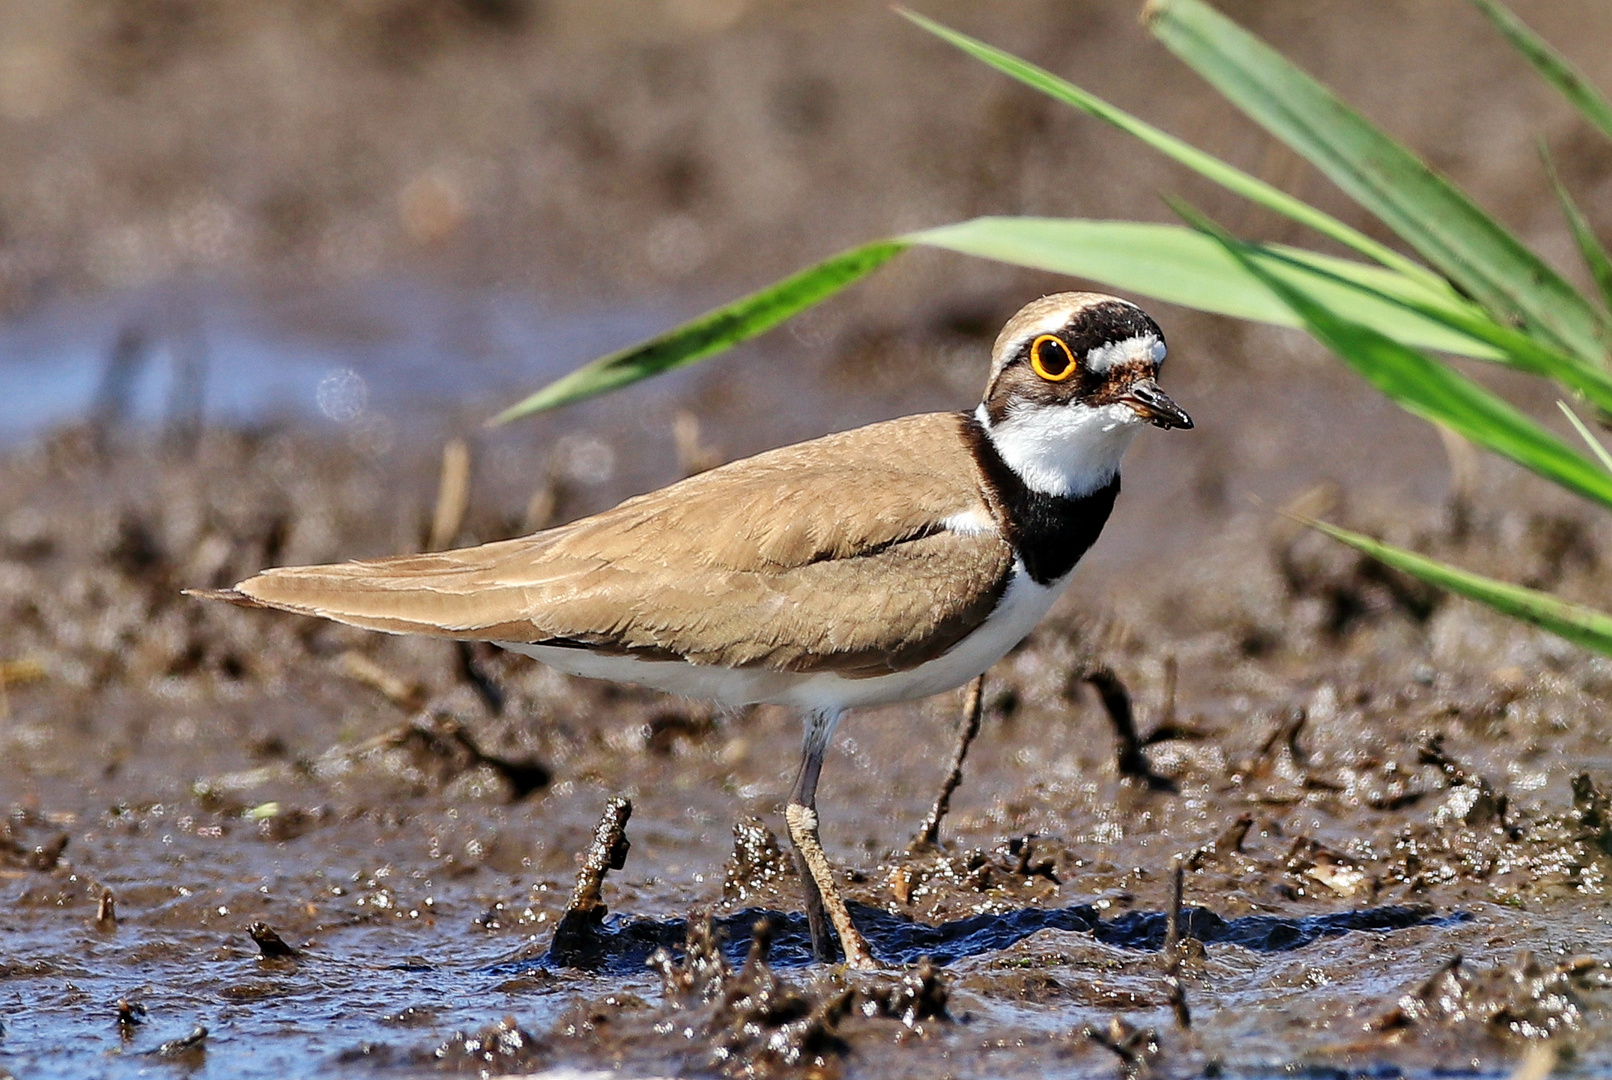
[[221, 355], [624, 945]]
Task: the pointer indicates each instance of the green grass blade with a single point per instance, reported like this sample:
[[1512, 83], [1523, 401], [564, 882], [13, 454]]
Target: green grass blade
[[712, 332], [1181, 266], [1581, 625], [1433, 390], [1207, 165], [1590, 248], [1595, 445], [1513, 348], [1427, 211], [1551, 64], [1167, 262]]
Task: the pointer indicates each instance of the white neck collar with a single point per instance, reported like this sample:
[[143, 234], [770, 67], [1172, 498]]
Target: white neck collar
[[1068, 450]]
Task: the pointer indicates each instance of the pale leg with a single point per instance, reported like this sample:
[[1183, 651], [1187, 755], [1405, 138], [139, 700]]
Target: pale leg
[[817, 877]]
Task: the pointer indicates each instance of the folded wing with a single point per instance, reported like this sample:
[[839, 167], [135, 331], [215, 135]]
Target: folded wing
[[826, 555]]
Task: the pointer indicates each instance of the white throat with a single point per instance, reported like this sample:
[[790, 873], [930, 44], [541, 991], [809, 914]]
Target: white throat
[[1069, 450]]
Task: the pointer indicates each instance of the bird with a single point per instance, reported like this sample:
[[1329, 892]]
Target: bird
[[881, 564]]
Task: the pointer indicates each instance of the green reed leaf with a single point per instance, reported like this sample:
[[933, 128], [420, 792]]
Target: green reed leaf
[[1579, 624], [1431, 389], [1166, 262], [1207, 165], [713, 332], [1511, 347], [1426, 210], [1181, 266], [1551, 64], [1597, 447], [1590, 248]]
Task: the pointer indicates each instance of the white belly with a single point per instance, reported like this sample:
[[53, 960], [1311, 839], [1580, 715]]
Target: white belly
[[1015, 615]]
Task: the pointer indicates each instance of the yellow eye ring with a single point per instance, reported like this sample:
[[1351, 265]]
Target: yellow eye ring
[[1055, 372]]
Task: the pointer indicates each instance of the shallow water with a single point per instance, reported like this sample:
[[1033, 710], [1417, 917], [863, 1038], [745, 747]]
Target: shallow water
[[400, 349]]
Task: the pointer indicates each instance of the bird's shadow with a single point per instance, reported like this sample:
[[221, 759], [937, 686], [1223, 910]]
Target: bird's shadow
[[615, 945]]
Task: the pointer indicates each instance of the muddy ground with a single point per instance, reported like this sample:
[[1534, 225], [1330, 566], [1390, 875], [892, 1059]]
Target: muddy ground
[[242, 845], [338, 852]]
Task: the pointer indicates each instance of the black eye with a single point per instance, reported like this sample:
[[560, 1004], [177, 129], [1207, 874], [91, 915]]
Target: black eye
[[1051, 358]]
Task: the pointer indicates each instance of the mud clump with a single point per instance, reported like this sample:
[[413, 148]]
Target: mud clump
[[1594, 813], [131, 1014], [746, 1020], [576, 938], [1525, 998], [270, 944], [437, 752], [19, 850], [758, 864], [190, 1050], [497, 1050], [1137, 1048]]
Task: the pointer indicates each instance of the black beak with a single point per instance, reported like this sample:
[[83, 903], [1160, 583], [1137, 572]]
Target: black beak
[[1154, 405]]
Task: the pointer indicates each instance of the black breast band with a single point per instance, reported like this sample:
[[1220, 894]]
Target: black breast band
[[1050, 532]]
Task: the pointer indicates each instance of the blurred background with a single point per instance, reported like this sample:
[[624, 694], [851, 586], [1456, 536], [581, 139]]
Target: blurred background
[[382, 220], [266, 269]]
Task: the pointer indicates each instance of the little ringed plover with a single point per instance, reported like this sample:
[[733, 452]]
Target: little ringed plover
[[882, 564]]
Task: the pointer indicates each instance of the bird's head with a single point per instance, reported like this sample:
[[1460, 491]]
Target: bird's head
[[1074, 377]]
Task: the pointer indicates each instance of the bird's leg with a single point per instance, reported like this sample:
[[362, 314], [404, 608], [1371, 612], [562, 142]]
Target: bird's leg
[[822, 897], [973, 702]]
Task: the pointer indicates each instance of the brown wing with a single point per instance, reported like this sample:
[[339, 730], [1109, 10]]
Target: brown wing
[[825, 555]]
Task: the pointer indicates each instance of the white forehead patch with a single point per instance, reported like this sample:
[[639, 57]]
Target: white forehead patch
[[1104, 357]]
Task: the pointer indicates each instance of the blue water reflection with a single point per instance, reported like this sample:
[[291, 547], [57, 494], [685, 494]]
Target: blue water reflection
[[396, 348]]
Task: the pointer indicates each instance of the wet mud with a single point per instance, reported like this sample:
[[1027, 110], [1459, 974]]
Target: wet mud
[[583, 939], [240, 844]]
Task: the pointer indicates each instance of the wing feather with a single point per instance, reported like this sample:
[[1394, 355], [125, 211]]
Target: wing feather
[[825, 555]]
